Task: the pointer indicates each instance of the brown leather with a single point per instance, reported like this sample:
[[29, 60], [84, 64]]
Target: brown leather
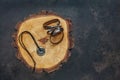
[[46, 26]]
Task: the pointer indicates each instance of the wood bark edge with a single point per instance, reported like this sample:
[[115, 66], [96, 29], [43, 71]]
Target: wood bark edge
[[71, 41]]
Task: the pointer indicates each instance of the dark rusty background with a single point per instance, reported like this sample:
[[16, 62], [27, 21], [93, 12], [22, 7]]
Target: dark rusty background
[[96, 29]]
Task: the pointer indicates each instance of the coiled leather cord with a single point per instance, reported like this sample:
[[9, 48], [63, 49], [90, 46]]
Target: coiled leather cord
[[24, 47]]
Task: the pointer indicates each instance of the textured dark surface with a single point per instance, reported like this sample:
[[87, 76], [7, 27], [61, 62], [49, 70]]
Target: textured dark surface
[[96, 29]]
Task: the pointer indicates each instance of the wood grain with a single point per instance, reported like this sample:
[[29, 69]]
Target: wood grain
[[55, 53]]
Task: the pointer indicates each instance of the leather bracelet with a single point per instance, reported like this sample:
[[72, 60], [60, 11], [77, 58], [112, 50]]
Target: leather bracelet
[[45, 25], [54, 30]]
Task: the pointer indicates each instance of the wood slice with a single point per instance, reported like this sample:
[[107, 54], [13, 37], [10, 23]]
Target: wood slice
[[55, 54]]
